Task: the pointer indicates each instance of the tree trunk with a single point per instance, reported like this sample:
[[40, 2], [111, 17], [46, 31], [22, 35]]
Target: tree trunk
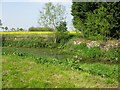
[[54, 38], [54, 34]]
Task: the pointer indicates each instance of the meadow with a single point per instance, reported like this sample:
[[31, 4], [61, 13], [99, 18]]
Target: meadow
[[50, 56], [36, 62]]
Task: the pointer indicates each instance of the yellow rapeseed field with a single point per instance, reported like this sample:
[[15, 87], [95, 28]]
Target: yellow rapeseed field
[[26, 32]]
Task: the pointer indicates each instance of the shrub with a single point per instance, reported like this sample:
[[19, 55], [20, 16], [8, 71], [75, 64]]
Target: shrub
[[99, 37], [76, 35], [94, 52], [61, 37], [80, 46], [112, 53], [71, 46], [40, 29], [62, 27]]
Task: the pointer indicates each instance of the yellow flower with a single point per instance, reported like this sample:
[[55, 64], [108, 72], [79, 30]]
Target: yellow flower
[[34, 32]]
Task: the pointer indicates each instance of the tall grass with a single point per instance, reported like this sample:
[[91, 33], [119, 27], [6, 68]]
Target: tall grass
[[23, 43]]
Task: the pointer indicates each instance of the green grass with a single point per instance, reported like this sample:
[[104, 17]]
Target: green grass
[[100, 69], [91, 55], [19, 72]]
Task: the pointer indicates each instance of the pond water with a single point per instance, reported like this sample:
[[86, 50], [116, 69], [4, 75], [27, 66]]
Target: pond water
[[45, 52], [60, 54]]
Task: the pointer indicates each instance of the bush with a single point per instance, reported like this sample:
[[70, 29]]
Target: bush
[[81, 46], [76, 35], [71, 46], [62, 27], [99, 37], [61, 37], [94, 52], [23, 43], [40, 29], [112, 53]]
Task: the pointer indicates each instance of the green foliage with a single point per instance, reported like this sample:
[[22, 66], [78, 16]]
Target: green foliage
[[20, 29], [6, 28], [113, 53], [99, 37], [0, 23], [110, 81], [66, 46], [94, 52], [96, 69], [61, 37], [13, 29], [76, 35], [2, 28], [76, 47], [52, 15], [81, 46], [95, 18], [20, 72], [40, 29], [62, 27], [23, 43], [101, 70]]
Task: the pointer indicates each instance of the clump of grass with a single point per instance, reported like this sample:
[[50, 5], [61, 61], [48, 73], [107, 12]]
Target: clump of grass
[[94, 53], [23, 43]]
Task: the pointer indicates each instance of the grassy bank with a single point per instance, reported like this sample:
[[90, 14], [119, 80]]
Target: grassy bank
[[19, 72], [81, 51], [37, 62], [103, 70]]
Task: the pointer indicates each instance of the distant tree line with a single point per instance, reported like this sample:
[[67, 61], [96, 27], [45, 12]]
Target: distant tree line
[[62, 27], [40, 29], [97, 18], [12, 29], [52, 18]]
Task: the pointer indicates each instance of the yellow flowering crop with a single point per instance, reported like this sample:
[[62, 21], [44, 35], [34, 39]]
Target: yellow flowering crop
[[26, 32]]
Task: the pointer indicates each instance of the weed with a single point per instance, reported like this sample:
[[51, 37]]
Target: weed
[[110, 81]]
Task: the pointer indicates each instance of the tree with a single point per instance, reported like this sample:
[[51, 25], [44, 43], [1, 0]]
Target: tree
[[0, 23], [62, 27], [13, 29], [2, 28], [6, 28], [61, 35], [17, 29], [95, 18], [52, 15], [21, 29]]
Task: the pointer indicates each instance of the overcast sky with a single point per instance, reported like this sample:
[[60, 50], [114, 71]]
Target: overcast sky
[[25, 13]]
